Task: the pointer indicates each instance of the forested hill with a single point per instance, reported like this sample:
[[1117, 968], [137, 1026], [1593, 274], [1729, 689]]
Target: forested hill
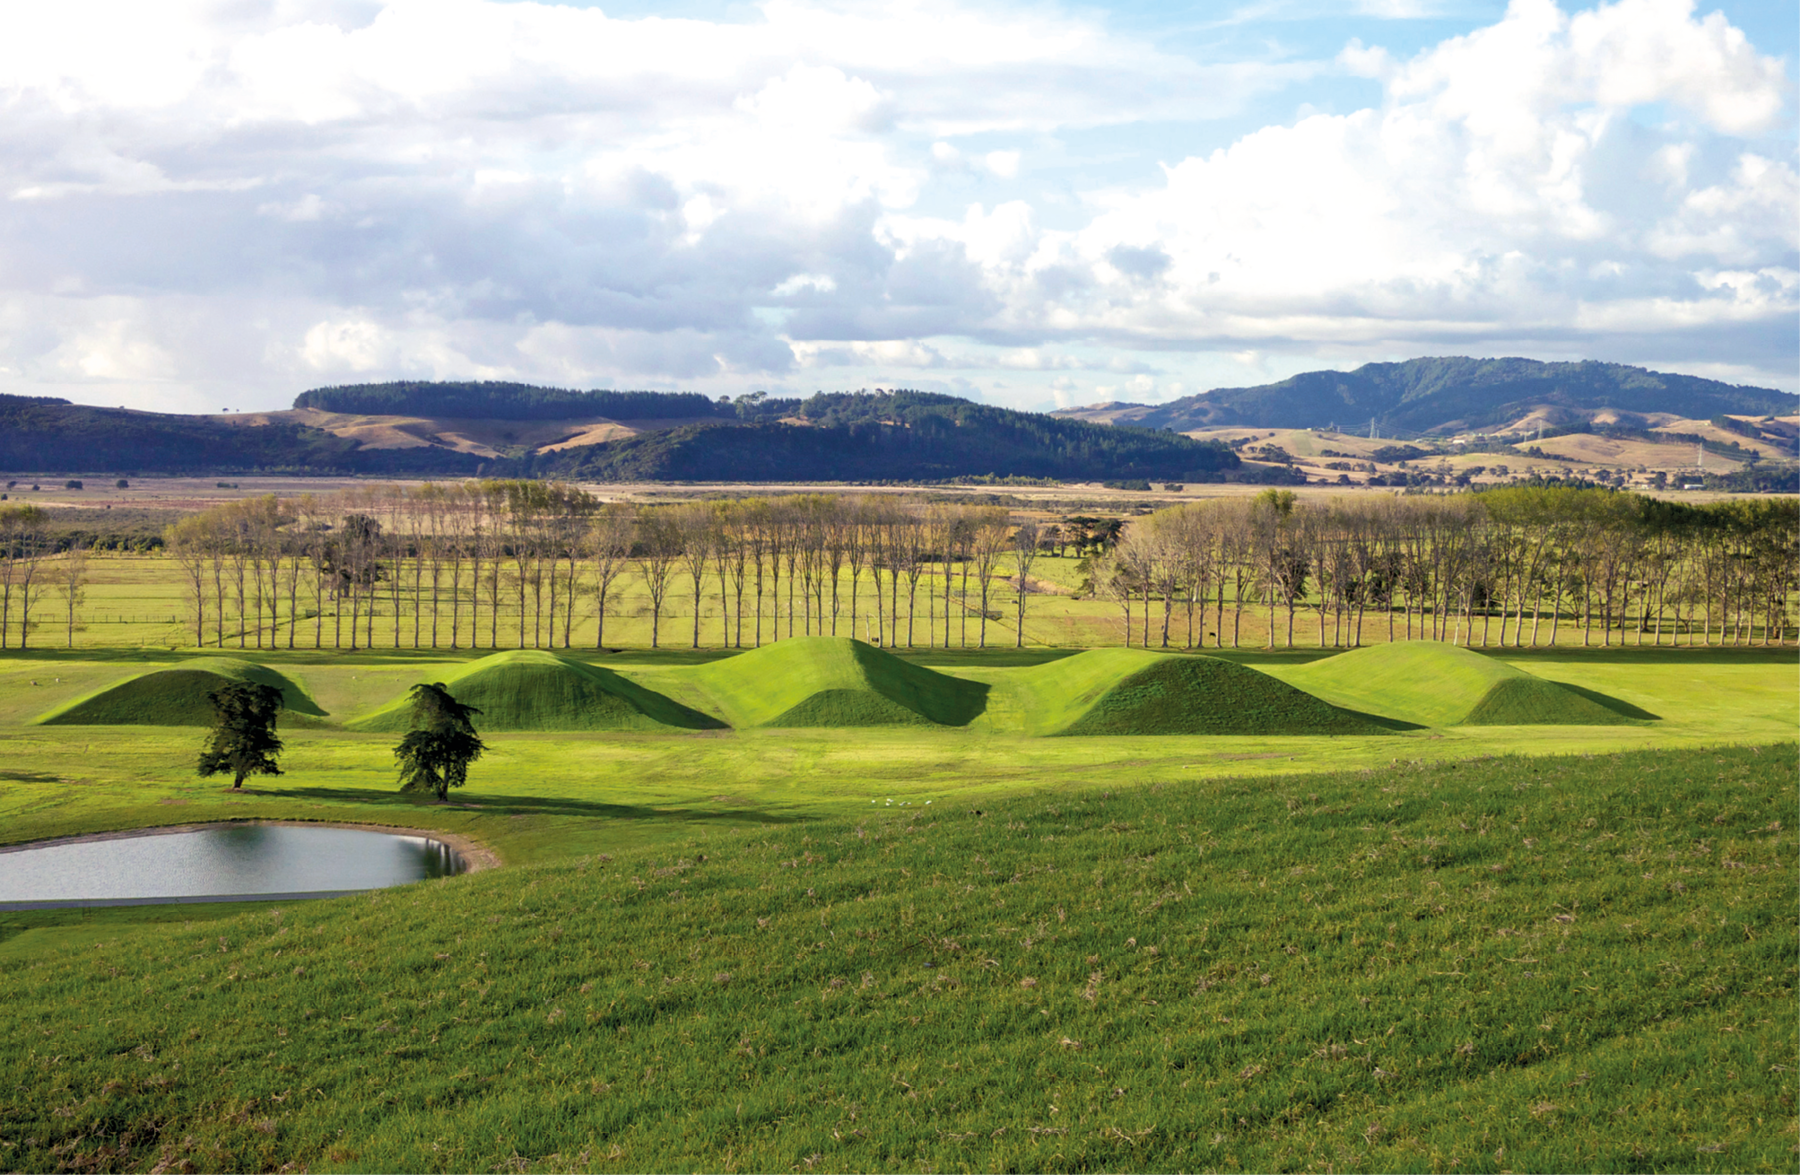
[[42, 435], [491, 400], [882, 436], [897, 436], [1450, 394]]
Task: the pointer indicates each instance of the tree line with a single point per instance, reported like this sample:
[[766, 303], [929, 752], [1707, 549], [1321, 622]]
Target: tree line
[[33, 563], [496, 400], [501, 564], [1501, 567]]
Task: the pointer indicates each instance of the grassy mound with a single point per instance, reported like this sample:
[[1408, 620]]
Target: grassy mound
[[1531, 701], [848, 707], [1204, 695], [176, 696], [833, 681], [1442, 685], [528, 689], [1047, 698]]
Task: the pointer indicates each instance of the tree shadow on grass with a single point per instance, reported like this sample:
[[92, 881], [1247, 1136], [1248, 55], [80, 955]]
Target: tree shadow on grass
[[1649, 655], [946, 660], [488, 804], [1616, 705], [150, 657]]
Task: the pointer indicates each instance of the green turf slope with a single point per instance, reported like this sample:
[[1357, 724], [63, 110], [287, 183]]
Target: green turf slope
[[1204, 695], [528, 689], [833, 681], [1442, 685], [176, 696], [1190, 975], [1048, 698]]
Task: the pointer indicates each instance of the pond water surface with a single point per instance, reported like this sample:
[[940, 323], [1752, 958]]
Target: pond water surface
[[229, 862]]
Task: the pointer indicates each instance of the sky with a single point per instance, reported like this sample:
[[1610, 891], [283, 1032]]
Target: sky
[[210, 204]]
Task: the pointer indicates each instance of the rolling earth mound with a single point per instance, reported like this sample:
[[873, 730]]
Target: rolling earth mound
[[834, 681], [1205, 695], [528, 689], [176, 696], [1436, 684]]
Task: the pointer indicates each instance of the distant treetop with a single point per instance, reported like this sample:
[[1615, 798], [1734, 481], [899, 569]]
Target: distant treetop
[[493, 400]]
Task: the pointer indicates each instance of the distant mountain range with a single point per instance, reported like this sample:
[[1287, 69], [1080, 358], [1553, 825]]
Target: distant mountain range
[[515, 430], [1443, 396], [41, 435], [463, 429]]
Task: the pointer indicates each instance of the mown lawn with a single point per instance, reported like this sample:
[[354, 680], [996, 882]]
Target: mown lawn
[[1559, 963]]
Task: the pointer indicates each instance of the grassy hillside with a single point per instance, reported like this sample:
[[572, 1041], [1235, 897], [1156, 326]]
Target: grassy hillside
[[1421, 395], [1205, 695], [902, 436], [176, 696], [899, 436], [1046, 698], [1137, 692], [1434, 684], [527, 689], [832, 681], [48, 436], [1513, 964]]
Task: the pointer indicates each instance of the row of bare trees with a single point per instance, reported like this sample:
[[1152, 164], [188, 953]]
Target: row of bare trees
[[23, 545], [31, 562], [1501, 567], [525, 563], [519, 563]]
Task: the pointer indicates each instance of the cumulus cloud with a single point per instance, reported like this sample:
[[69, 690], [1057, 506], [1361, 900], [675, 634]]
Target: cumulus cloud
[[1478, 201], [255, 197]]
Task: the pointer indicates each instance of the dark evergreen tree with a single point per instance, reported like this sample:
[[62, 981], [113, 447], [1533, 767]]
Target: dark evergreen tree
[[243, 739], [435, 754]]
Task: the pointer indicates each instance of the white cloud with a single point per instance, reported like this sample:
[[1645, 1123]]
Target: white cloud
[[1468, 204], [1396, 9], [115, 351], [1004, 164], [882, 353], [1750, 215], [353, 345], [254, 196], [800, 282], [307, 207]]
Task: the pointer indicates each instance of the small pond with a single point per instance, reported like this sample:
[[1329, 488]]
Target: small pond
[[227, 862]]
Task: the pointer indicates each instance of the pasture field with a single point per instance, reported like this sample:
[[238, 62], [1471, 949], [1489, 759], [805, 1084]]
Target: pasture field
[[919, 945], [1554, 963]]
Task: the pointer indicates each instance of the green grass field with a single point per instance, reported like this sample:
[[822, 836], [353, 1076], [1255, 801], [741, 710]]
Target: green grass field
[[1412, 945], [1574, 963]]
